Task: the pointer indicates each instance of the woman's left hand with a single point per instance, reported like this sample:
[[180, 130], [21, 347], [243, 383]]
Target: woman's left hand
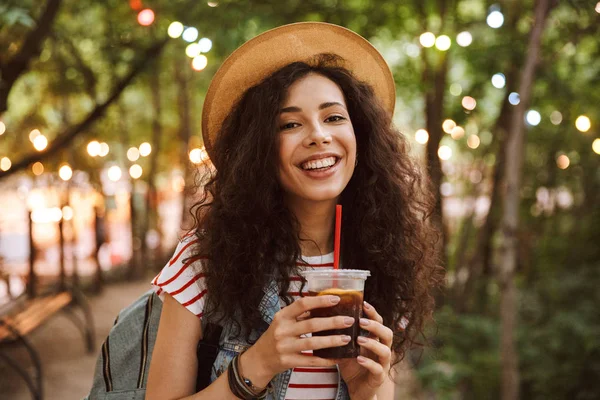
[[365, 374]]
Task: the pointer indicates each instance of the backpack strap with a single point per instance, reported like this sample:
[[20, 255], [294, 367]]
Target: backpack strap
[[207, 349]]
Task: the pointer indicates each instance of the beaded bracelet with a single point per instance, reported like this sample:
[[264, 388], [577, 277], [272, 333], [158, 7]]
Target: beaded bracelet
[[241, 387]]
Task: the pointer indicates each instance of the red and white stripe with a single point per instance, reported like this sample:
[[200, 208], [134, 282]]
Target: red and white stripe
[[311, 383], [182, 278]]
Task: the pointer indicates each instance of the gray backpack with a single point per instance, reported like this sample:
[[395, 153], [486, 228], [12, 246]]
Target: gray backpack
[[124, 361]]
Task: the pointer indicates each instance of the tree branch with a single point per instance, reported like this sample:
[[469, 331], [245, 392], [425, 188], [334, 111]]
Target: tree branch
[[509, 359], [14, 68], [88, 74], [66, 137]]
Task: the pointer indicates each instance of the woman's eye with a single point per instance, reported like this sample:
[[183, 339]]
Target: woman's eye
[[335, 118], [289, 125]]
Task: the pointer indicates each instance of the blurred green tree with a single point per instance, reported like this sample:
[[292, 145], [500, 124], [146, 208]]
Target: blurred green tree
[[92, 72]]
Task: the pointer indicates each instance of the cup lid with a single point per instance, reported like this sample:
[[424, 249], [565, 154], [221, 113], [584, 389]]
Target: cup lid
[[337, 273]]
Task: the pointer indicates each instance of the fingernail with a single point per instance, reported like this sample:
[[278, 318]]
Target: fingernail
[[334, 299], [346, 338], [364, 321], [367, 305], [361, 339], [361, 359], [349, 321]]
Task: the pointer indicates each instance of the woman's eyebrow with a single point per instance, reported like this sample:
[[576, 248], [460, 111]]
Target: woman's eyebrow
[[331, 104], [290, 109], [323, 106]]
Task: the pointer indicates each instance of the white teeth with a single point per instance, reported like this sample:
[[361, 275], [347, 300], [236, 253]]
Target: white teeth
[[323, 163]]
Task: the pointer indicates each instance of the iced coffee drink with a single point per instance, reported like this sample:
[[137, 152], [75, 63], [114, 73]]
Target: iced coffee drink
[[349, 286]]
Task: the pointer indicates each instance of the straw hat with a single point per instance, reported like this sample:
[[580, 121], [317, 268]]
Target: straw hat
[[261, 56]]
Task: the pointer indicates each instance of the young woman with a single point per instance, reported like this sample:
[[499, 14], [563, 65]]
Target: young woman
[[296, 121]]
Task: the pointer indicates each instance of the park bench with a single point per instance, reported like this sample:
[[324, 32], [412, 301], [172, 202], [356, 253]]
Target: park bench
[[22, 316]]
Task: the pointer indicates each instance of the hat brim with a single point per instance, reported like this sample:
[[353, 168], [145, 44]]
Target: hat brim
[[270, 51]]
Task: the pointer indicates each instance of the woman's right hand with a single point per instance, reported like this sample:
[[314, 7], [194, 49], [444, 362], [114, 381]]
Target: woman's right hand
[[280, 347]]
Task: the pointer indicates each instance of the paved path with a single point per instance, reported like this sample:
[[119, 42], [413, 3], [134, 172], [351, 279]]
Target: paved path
[[67, 368]]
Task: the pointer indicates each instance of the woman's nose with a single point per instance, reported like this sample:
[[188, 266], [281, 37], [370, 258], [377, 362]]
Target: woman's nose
[[317, 136]]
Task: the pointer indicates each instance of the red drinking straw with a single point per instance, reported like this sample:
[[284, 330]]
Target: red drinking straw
[[338, 234]]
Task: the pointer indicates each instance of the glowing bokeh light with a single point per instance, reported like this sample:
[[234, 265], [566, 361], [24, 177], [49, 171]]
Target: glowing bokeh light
[[114, 173], [145, 149], [93, 148], [37, 168], [104, 149], [455, 89], [464, 39], [133, 154], [33, 134], [40, 143], [422, 136], [205, 44], [598, 7], [583, 123], [473, 141], [198, 155], [412, 50], [533, 118], [443, 42], [444, 153], [514, 98], [469, 103], [213, 4], [563, 161], [200, 62], [495, 19], [457, 133], [499, 80], [448, 125], [135, 4], [65, 172], [2, 128], [46, 215], [556, 117], [475, 176], [427, 39], [5, 164], [175, 29], [178, 184], [135, 171], [596, 146], [446, 189], [55, 214], [146, 17], [67, 213], [192, 50], [190, 34]]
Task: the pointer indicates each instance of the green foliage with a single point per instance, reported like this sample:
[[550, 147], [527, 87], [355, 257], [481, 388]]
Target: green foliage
[[10, 16], [560, 336], [464, 359]]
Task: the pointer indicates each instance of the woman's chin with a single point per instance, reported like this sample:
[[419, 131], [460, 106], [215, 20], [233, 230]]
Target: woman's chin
[[318, 196]]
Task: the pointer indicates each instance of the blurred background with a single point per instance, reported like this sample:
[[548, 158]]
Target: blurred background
[[100, 139]]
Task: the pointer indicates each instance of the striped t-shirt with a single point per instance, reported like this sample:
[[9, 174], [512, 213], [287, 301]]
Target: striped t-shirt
[[183, 279]]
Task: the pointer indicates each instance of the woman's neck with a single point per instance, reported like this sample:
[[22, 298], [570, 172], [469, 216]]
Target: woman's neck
[[316, 226]]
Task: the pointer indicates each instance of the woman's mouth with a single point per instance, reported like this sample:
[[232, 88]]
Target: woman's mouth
[[322, 164]]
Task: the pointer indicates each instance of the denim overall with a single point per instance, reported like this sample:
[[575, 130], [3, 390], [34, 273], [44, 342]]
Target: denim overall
[[231, 344]]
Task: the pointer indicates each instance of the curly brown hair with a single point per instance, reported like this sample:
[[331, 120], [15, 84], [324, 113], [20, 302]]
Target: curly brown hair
[[250, 236]]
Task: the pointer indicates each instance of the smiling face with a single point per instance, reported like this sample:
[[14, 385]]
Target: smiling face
[[317, 146]]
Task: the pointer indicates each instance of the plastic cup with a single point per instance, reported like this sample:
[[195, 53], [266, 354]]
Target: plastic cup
[[349, 285]]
